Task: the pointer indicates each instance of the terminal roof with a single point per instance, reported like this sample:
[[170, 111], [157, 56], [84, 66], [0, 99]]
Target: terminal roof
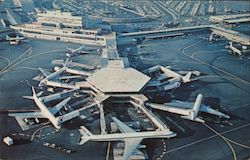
[[118, 79]]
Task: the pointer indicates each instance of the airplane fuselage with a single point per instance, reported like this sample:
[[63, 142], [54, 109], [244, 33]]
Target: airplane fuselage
[[172, 109], [58, 72], [46, 113], [54, 96], [61, 85], [78, 72], [121, 136], [235, 50], [169, 73], [184, 108]]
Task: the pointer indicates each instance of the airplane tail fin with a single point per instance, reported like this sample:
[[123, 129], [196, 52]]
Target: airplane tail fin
[[195, 110], [187, 77], [197, 105], [85, 135]]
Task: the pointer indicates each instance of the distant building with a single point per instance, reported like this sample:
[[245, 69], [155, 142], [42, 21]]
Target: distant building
[[63, 26], [56, 18]]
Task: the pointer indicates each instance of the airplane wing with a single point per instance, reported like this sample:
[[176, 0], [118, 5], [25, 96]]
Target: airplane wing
[[123, 127], [78, 49], [59, 106], [75, 50], [71, 50], [152, 69], [195, 110], [197, 105], [171, 109], [27, 115], [180, 104], [44, 72], [130, 146], [55, 96]]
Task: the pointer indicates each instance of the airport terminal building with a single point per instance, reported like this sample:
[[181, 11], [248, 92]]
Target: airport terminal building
[[63, 26]]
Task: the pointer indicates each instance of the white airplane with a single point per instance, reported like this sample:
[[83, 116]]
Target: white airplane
[[44, 111], [188, 110], [234, 49], [168, 78], [14, 40], [8, 38], [211, 38], [73, 71], [52, 97], [51, 78], [74, 52], [60, 70], [131, 138], [70, 63]]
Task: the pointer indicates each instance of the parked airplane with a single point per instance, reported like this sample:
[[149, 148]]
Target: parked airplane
[[73, 71], [49, 76], [169, 79], [8, 38], [51, 79], [131, 138], [74, 52], [52, 97], [234, 49], [70, 63], [14, 40], [212, 38], [188, 110], [44, 111]]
